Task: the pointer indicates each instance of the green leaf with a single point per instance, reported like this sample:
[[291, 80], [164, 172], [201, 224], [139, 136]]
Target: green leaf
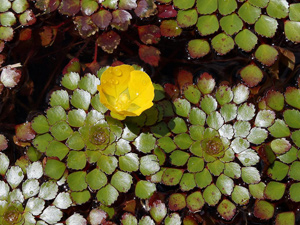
[[76, 160], [187, 182], [195, 201], [121, 181], [208, 104], [257, 135], [183, 141], [177, 201], [207, 25], [187, 18], [76, 117], [226, 209], [266, 54], [149, 165], [61, 131], [177, 125], [191, 93], [76, 181], [203, 178], [75, 141], [206, 6], [179, 158], [291, 30], [40, 124], [229, 112], [259, 3], [279, 129], [81, 99], [294, 172], [170, 28], [129, 162], [252, 75], [55, 114], [144, 189], [80, 197], [167, 144], [107, 164], [227, 6], [263, 210], [222, 43], [285, 218], [278, 8], [171, 176], [292, 97], [145, 142], [225, 184], [212, 195], [182, 107], [183, 4], [70, 80], [41, 142], [250, 175], [60, 98], [57, 149], [231, 24], [275, 100], [224, 94], [158, 211], [266, 26], [278, 171], [294, 13], [240, 195], [107, 195], [294, 192], [274, 190], [249, 13], [96, 179], [257, 190]]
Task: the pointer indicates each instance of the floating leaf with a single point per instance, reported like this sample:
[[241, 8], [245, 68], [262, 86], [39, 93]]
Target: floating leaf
[[198, 48], [285, 218], [69, 7], [207, 25], [158, 211], [252, 75], [149, 54], [294, 13], [266, 54], [144, 189], [102, 18], [263, 210], [231, 24], [240, 195], [171, 176], [206, 6], [222, 43], [187, 18], [170, 28], [266, 26], [121, 181], [107, 195], [149, 34], [278, 9], [226, 209], [109, 41], [291, 30], [249, 13], [212, 195], [166, 11], [294, 192]]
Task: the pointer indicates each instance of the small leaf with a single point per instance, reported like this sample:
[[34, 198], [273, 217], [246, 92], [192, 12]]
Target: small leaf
[[206, 6], [291, 30], [121, 181], [240, 195], [149, 34], [177, 201], [6, 34], [263, 210], [144, 189], [222, 43], [294, 13], [227, 6], [252, 75], [109, 41], [249, 13], [187, 18], [226, 209], [198, 48], [170, 28], [266, 54], [149, 54], [207, 25], [266, 26], [278, 9], [231, 24], [212, 195], [69, 7]]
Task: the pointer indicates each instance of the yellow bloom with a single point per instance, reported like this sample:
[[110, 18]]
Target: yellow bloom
[[125, 91]]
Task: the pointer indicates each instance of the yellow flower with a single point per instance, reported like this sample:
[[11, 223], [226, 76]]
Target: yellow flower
[[126, 91]]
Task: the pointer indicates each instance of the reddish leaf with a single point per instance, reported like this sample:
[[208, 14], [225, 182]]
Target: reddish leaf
[[85, 26], [170, 28], [102, 18], [2, 44], [24, 132], [48, 35], [10, 77], [145, 8], [69, 7], [2, 59], [184, 77], [149, 34], [27, 18], [130, 206], [3, 142], [109, 41], [47, 5], [171, 90], [72, 66], [149, 54], [166, 11], [121, 19], [25, 34]]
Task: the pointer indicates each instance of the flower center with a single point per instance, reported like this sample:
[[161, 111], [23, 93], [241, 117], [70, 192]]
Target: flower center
[[212, 146], [99, 135], [123, 102]]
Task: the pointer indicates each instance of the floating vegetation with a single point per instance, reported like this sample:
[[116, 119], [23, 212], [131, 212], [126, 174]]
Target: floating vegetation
[[168, 112]]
